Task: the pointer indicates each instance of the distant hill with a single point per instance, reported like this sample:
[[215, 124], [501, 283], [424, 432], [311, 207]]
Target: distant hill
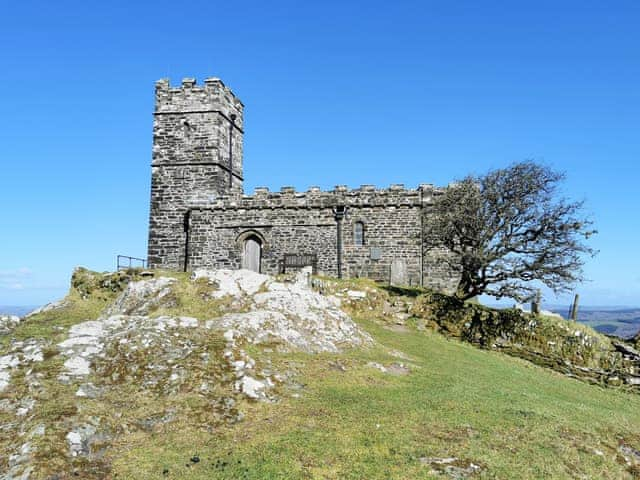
[[620, 322], [18, 310]]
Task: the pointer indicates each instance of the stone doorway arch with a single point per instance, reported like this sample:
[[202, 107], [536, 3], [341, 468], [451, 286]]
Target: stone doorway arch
[[252, 253]]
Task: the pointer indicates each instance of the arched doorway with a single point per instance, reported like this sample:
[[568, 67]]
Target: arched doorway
[[252, 253]]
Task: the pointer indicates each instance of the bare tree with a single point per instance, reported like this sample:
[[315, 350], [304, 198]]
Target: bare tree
[[510, 227]]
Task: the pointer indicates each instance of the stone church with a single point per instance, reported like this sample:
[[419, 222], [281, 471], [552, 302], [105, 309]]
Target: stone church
[[201, 217]]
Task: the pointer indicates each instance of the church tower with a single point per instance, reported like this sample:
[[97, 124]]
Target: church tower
[[197, 156]]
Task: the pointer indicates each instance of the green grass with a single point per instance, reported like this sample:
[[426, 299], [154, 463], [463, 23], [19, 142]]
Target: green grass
[[88, 296], [192, 299], [514, 419], [54, 324]]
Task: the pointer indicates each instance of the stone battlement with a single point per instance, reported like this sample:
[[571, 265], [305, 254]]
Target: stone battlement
[[288, 197], [201, 218], [189, 97]]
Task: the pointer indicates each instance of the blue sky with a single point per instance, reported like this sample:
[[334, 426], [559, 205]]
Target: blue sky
[[335, 93]]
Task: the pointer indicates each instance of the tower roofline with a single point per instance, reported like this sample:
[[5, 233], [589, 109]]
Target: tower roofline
[[190, 85]]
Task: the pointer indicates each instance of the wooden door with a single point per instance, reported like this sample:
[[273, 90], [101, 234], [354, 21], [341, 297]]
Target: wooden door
[[252, 254]]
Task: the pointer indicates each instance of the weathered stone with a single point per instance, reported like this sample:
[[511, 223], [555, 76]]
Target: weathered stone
[[232, 283], [201, 219], [627, 350], [22, 353], [80, 440], [77, 366], [8, 323], [140, 296], [398, 369], [46, 308], [632, 380], [252, 388], [88, 390], [164, 355], [356, 294], [452, 467], [291, 314], [398, 273]]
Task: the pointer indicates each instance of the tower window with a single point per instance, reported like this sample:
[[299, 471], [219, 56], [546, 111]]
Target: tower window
[[358, 234]]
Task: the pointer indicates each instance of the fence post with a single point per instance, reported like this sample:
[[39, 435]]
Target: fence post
[[535, 303], [574, 307]]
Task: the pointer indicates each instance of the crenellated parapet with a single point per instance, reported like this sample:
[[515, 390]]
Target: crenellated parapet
[[190, 97], [201, 218], [364, 196], [197, 155], [199, 125]]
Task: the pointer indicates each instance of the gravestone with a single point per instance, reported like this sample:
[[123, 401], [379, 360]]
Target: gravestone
[[305, 275], [398, 274]]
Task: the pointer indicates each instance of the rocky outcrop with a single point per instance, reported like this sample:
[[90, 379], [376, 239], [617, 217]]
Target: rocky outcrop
[[133, 342], [47, 308], [140, 297], [8, 323], [20, 355], [290, 314]]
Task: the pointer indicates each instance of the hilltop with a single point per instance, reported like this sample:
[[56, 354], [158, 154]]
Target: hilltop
[[223, 374]]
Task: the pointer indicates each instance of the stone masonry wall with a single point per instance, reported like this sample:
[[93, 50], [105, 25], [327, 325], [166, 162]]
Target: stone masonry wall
[[302, 223], [199, 216], [190, 165]]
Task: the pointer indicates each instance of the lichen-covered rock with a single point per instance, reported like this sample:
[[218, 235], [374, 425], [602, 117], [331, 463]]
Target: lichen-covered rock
[[139, 297], [235, 283], [8, 323], [20, 354], [47, 308], [136, 350], [18, 463], [290, 314], [93, 284], [451, 467], [396, 368], [254, 388]]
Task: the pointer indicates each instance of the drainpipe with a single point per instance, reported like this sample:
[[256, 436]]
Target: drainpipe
[[231, 125], [339, 213], [187, 228], [422, 240]]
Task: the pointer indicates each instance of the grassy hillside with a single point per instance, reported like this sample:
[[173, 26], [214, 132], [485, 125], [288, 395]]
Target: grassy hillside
[[459, 412], [351, 421]]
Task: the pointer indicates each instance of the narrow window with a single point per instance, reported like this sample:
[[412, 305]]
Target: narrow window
[[358, 234]]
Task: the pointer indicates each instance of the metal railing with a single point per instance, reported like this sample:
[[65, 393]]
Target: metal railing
[[124, 261]]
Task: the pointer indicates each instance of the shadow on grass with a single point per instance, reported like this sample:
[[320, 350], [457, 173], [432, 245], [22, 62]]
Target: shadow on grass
[[404, 291]]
